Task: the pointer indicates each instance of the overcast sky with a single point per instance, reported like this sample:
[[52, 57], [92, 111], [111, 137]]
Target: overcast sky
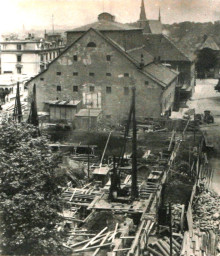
[[38, 13]]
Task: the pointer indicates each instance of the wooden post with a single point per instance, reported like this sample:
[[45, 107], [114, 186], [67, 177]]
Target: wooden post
[[134, 189], [88, 141], [171, 234]]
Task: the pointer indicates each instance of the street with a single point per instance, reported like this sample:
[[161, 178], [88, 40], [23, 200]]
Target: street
[[206, 98]]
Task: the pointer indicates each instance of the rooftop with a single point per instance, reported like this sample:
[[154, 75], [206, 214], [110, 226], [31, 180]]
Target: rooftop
[[106, 22], [161, 46], [89, 112], [63, 102]]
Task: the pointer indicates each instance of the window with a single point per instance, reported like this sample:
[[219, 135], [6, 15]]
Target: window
[[50, 55], [75, 88], [108, 116], [108, 57], [18, 46], [8, 72], [42, 57], [58, 73], [91, 88], [75, 73], [108, 74], [91, 44], [19, 70], [108, 89], [54, 55], [18, 58], [126, 90], [42, 79], [46, 56], [91, 74], [126, 75], [146, 82], [75, 57], [59, 88]]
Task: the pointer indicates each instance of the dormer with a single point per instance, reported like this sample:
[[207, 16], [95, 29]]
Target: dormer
[[106, 16]]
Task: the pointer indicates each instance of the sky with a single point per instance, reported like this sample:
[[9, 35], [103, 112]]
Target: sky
[[72, 13]]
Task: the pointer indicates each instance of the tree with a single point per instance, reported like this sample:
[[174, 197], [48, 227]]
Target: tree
[[29, 193]]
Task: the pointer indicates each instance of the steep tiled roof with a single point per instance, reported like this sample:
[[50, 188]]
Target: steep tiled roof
[[209, 43], [152, 72], [161, 46], [105, 25], [137, 52], [161, 72], [155, 26]]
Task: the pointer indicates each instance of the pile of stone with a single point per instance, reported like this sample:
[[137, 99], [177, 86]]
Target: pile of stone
[[207, 211]]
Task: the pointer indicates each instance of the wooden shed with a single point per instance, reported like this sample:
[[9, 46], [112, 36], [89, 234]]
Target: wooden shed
[[63, 110], [88, 118]]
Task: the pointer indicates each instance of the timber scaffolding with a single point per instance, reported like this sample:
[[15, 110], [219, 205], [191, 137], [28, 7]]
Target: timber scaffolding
[[100, 223]]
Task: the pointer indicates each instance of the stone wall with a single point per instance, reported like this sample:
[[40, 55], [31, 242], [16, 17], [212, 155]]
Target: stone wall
[[92, 69]]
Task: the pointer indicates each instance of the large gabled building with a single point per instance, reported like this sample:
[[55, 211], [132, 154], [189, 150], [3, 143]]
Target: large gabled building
[[97, 71]]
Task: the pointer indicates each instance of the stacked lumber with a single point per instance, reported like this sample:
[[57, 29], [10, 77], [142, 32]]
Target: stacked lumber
[[161, 247], [199, 243], [80, 196], [82, 241], [207, 211]]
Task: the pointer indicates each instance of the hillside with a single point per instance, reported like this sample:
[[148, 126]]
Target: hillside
[[189, 35]]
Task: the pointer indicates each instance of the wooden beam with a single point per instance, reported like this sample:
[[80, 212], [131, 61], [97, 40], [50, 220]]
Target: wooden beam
[[103, 241]]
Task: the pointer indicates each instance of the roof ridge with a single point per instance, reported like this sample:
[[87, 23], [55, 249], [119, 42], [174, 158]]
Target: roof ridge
[[131, 59]]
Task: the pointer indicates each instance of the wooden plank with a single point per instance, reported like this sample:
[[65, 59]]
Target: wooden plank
[[95, 237], [103, 241], [92, 247]]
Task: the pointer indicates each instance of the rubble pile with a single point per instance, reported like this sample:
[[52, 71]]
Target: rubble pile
[[207, 211]]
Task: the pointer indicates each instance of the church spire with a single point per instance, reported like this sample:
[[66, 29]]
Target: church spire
[[159, 18], [143, 16]]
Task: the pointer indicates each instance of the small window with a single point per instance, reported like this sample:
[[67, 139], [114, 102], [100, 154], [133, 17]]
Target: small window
[[75, 57], [146, 82], [91, 74], [91, 88], [19, 70], [108, 89], [126, 75], [75, 88], [18, 58], [91, 44], [108, 74], [58, 73], [108, 57], [59, 88], [18, 46], [50, 55], [42, 79], [75, 73], [108, 116], [126, 91], [42, 57]]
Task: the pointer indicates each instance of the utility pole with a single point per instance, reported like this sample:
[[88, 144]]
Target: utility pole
[[171, 233], [134, 189], [88, 141], [52, 23]]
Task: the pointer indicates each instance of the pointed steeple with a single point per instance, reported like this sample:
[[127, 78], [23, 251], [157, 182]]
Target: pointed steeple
[[159, 18], [143, 16]]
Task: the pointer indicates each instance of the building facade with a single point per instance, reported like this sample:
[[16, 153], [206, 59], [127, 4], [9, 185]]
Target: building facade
[[100, 74], [29, 56]]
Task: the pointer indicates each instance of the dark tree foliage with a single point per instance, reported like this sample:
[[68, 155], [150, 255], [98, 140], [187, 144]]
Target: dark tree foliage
[[29, 193]]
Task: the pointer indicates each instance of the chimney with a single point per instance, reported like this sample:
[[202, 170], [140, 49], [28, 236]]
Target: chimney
[[142, 61]]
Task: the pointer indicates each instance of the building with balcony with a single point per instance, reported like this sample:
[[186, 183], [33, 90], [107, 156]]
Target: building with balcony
[[29, 56]]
